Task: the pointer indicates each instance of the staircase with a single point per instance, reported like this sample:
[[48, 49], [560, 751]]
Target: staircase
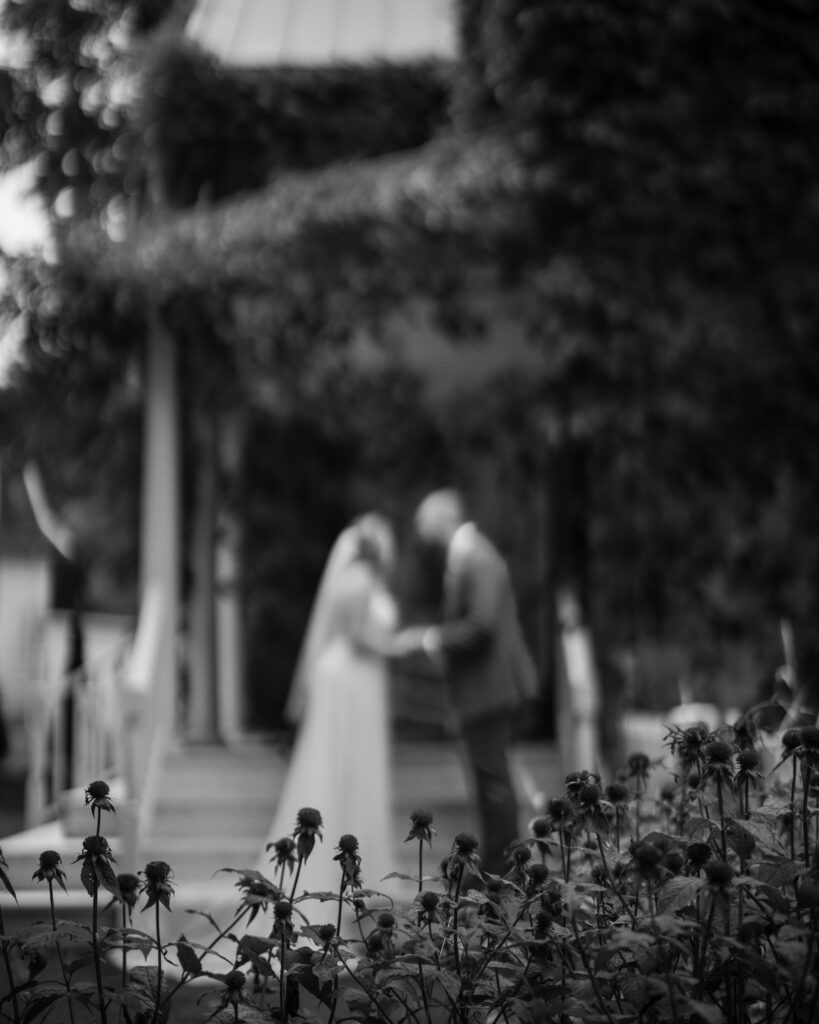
[[214, 806]]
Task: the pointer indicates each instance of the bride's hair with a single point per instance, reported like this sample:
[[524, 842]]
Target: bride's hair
[[376, 540]]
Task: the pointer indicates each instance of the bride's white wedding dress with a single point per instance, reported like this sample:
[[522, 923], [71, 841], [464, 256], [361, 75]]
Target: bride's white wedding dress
[[340, 762], [341, 758]]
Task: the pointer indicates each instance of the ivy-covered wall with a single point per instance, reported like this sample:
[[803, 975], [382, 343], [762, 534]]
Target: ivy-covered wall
[[218, 130]]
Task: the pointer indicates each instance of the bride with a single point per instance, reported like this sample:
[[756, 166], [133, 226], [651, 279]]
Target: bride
[[341, 758]]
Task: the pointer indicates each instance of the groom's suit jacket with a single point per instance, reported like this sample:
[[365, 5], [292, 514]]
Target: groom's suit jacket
[[488, 666]]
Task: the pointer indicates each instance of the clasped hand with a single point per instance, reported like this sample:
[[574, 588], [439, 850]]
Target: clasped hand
[[414, 639]]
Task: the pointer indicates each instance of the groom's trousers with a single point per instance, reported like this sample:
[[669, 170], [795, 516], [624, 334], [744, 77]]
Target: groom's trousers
[[487, 739]]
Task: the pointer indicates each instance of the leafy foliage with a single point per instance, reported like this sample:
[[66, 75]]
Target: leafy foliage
[[218, 131], [699, 905], [644, 177], [64, 97]]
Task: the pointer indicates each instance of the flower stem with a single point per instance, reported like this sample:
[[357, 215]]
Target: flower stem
[[296, 878], [124, 951], [423, 988], [793, 811], [638, 796], [501, 1000], [435, 955], [721, 819], [587, 967], [242, 913], [562, 855], [95, 901], [158, 997], [455, 918], [283, 975], [124, 954], [614, 889], [705, 937], [57, 944], [373, 996], [806, 769], [7, 962], [420, 864]]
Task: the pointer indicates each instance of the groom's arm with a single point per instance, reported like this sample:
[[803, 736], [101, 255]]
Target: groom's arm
[[472, 632]]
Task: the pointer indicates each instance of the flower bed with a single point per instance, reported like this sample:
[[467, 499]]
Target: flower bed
[[699, 906]]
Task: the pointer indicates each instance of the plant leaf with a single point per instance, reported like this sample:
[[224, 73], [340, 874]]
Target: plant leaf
[[776, 873], [677, 892], [701, 829], [188, 960], [107, 878], [710, 1012], [4, 878], [40, 1003], [88, 876], [741, 840]]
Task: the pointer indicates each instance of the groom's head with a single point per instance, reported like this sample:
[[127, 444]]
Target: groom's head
[[438, 517]]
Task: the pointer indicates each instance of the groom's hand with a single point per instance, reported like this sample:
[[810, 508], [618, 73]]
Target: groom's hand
[[417, 639], [409, 640]]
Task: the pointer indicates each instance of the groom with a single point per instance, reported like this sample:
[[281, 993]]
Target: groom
[[480, 648]]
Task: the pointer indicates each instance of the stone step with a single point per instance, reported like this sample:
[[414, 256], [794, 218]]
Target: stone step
[[215, 809], [205, 817], [199, 859]]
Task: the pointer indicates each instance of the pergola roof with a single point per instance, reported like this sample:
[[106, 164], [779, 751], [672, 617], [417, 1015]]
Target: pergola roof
[[465, 188], [267, 32], [469, 188]]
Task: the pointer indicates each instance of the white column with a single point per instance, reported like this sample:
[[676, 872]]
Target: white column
[[229, 617], [159, 526]]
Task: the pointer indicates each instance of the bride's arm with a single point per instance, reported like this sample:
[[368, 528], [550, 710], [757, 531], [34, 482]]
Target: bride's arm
[[370, 632]]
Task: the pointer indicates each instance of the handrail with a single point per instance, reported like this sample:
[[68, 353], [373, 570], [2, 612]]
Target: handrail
[[107, 720], [75, 731]]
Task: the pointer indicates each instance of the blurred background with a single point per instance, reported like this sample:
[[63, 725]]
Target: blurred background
[[266, 265]]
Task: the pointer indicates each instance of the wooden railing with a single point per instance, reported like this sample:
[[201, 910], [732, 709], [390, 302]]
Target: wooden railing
[[75, 732], [103, 721]]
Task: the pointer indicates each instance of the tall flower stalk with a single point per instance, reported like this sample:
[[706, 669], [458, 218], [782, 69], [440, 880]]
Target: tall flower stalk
[[284, 856], [422, 831], [283, 929], [96, 871], [560, 812], [49, 871], [308, 828], [638, 769], [463, 856], [809, 757], [718, 757], [129, 891], [790, 744], [158, 887]]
